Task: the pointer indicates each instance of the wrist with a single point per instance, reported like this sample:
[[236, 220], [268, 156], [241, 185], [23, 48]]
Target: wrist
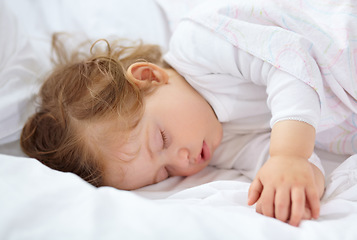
[[292, 138]]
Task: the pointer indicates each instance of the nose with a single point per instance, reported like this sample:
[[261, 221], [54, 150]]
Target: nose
[[182, 159]]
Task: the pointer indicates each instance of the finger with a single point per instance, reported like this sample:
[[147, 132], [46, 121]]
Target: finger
[[267, 201], [258, 207], [282, 204], [307, 213], [314, 202], [297, 206], [254, 192]]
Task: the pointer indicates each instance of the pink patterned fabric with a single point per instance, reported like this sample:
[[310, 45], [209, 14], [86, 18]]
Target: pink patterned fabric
[[315, 41]]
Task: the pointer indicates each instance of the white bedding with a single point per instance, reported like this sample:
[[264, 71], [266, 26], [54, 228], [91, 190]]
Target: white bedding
[[40, 203]]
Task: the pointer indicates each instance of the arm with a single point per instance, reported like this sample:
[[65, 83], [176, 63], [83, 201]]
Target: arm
[[287, 184]]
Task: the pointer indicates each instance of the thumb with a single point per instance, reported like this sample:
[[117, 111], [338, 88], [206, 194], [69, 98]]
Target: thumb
[[254, 192]]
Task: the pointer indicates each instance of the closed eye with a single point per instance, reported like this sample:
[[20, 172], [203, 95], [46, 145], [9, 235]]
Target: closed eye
[[164, 139]]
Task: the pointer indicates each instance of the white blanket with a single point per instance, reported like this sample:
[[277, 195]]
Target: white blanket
[[40, 203]]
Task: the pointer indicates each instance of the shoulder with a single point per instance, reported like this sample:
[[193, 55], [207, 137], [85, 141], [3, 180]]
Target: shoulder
[[195, 45]]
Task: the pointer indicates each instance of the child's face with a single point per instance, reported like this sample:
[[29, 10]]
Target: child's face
[[177, 136]]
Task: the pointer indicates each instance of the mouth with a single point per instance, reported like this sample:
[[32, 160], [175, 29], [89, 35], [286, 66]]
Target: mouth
[[205, 153]]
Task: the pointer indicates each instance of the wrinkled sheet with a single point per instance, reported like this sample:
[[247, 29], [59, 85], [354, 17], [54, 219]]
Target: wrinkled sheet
[[40, 203]]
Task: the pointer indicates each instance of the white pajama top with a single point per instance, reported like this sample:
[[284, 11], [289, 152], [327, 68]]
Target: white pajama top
[[247, 94]]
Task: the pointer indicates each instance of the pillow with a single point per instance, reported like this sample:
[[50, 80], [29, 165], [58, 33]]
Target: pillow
[[25, 40], [19, 72]]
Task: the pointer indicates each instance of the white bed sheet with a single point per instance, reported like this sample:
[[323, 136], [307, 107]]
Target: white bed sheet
[[40, 203]]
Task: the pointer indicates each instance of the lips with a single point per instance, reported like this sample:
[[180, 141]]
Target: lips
[[205, 153]]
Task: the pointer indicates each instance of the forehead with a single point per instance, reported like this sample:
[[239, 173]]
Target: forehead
[[108, 132], [119, 144], [122, 158]]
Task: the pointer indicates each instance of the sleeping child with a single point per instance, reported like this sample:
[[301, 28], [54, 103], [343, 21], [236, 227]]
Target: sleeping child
[[126, 117]]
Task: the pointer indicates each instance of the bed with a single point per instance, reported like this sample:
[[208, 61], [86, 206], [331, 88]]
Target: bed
[[41, 203]]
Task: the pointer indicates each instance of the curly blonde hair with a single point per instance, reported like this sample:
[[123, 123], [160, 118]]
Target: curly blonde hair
[[85, 88]]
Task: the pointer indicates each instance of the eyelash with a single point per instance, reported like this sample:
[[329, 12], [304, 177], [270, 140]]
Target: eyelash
[[164, 139]]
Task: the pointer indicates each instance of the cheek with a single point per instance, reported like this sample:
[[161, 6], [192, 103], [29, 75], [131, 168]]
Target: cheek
[[191, 170]]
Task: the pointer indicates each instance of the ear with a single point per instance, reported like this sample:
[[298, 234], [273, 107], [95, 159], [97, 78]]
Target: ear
[[144, 74]]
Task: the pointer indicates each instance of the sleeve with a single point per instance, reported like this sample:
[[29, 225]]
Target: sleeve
[[195, 51]]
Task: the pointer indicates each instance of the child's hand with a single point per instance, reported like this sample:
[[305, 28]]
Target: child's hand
[[285, 188]]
